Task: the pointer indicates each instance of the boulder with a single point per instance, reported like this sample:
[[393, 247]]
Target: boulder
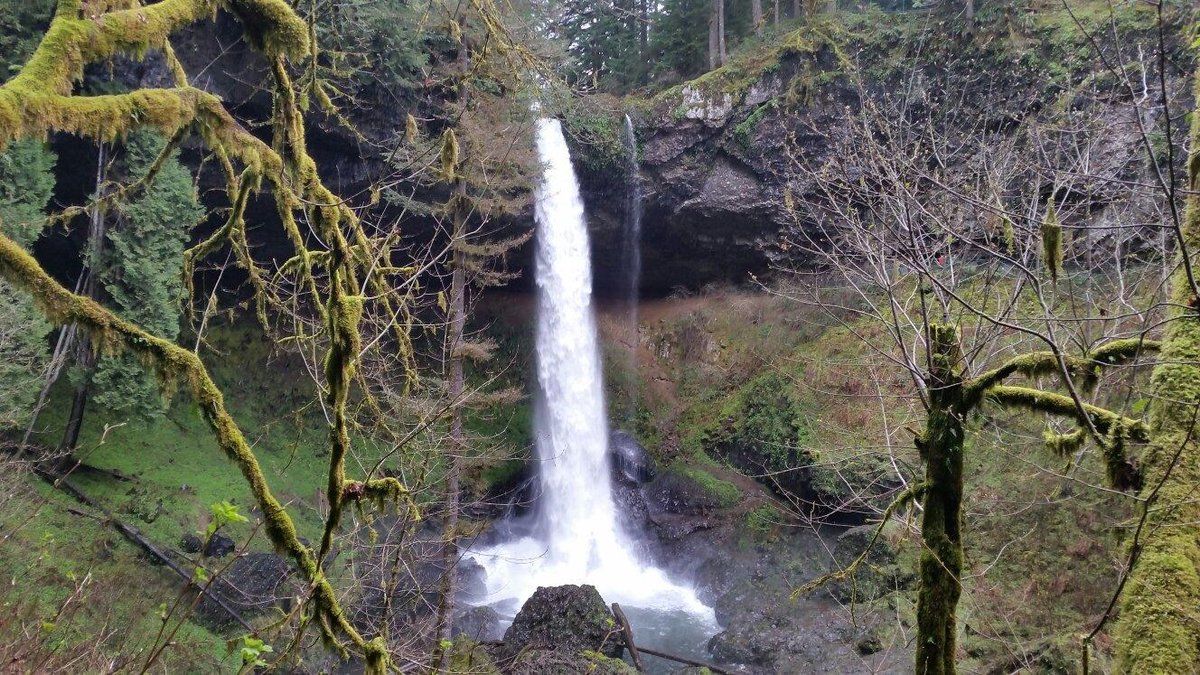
[[477, 623], [219, 546], [632, 463], [878, 575], [191, 543], [570, 618]]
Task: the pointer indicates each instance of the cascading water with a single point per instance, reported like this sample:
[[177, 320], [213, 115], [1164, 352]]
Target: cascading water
[[575, 536], [631, 261]]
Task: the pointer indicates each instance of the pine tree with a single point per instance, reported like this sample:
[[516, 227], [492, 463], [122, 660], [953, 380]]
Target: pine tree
[[26, 185], [143, 272]]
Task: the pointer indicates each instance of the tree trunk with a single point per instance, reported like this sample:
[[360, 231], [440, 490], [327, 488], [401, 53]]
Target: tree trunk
[[970, 11], [714, 45], [644, 29], [941, 449], [70, 440], [756, 15], [456, 322], [87, 287], [454, 343], [1160, 604], [797, 12], [721, 30], [776, 23]]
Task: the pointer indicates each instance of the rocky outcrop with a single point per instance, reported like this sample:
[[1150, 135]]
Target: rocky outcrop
[[566, 618], [719, 154]]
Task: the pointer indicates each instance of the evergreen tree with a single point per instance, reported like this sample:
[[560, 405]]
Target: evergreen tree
[[679, 41], [142, 272], [604, 40], [26, 185]]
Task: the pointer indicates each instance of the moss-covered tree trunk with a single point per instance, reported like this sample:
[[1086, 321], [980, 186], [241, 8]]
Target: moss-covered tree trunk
[[941, 448], [1159, 624]]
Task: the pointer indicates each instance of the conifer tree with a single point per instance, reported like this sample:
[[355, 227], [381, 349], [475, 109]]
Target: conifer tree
[[142, 271], [26, 186]]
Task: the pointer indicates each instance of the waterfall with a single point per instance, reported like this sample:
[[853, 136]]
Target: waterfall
[[576, 537], [631, 260]]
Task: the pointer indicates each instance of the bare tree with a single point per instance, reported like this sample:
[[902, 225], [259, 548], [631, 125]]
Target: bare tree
[[952, 239]]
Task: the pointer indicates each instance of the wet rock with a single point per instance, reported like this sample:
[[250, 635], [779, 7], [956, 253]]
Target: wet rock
[[632, 464], [570, 619], [252, 584], [219, 546], [477, 623], [675, 492], [191, 543], [877, 576], [472, 580]]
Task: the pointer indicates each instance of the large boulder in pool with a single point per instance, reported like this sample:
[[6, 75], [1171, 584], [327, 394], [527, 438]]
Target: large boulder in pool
[[570, 619]]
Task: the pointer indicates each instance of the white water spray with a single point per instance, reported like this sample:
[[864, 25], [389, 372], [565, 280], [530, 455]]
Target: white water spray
[[577, 539]]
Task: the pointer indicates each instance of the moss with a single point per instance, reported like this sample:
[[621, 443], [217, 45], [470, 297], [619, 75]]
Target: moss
[[941, 446], [450, 155], [744, 132], [1052, 242], [725, 494], [38, 101], [1160, 605], [599, 664]]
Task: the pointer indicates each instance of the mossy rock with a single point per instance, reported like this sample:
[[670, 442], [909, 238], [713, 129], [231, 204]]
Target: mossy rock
[[468, 656], [691, 490], [879, 574], [569, 618]]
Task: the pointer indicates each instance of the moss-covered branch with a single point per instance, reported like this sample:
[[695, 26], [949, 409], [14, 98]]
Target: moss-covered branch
[[1063, 406], [175, 364], [1120, 467], [1086, 368], [38, 101]]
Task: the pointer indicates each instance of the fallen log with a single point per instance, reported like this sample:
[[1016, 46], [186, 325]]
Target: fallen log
[[627, 634], [134, 535], [635, 651]]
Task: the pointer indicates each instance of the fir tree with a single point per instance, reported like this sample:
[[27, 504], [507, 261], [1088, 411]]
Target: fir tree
[[26, 185], [143, 271]]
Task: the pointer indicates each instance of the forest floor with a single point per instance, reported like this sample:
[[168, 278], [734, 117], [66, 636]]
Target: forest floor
[[1043, 544]]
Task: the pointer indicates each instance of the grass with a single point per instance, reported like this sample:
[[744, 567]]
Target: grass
[[177, 468]]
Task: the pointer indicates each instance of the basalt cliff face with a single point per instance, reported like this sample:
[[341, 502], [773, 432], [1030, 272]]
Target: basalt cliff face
[[729, 159], [726, 158]]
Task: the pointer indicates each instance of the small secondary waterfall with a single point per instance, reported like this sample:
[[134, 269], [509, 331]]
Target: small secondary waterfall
[[576, 537], [631, 261]]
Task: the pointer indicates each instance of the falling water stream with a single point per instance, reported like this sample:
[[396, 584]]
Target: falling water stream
[[631, 264], [574, 536]]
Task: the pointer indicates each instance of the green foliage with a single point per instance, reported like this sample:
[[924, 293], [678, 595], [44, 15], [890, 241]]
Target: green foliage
[[21, 25], [767, 415], [600, 132], [224, 513], [763, 520], [744, 132], [253, 650], [143, 271], [26, 185], [680, 39], [602, 39], [381, 44]]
